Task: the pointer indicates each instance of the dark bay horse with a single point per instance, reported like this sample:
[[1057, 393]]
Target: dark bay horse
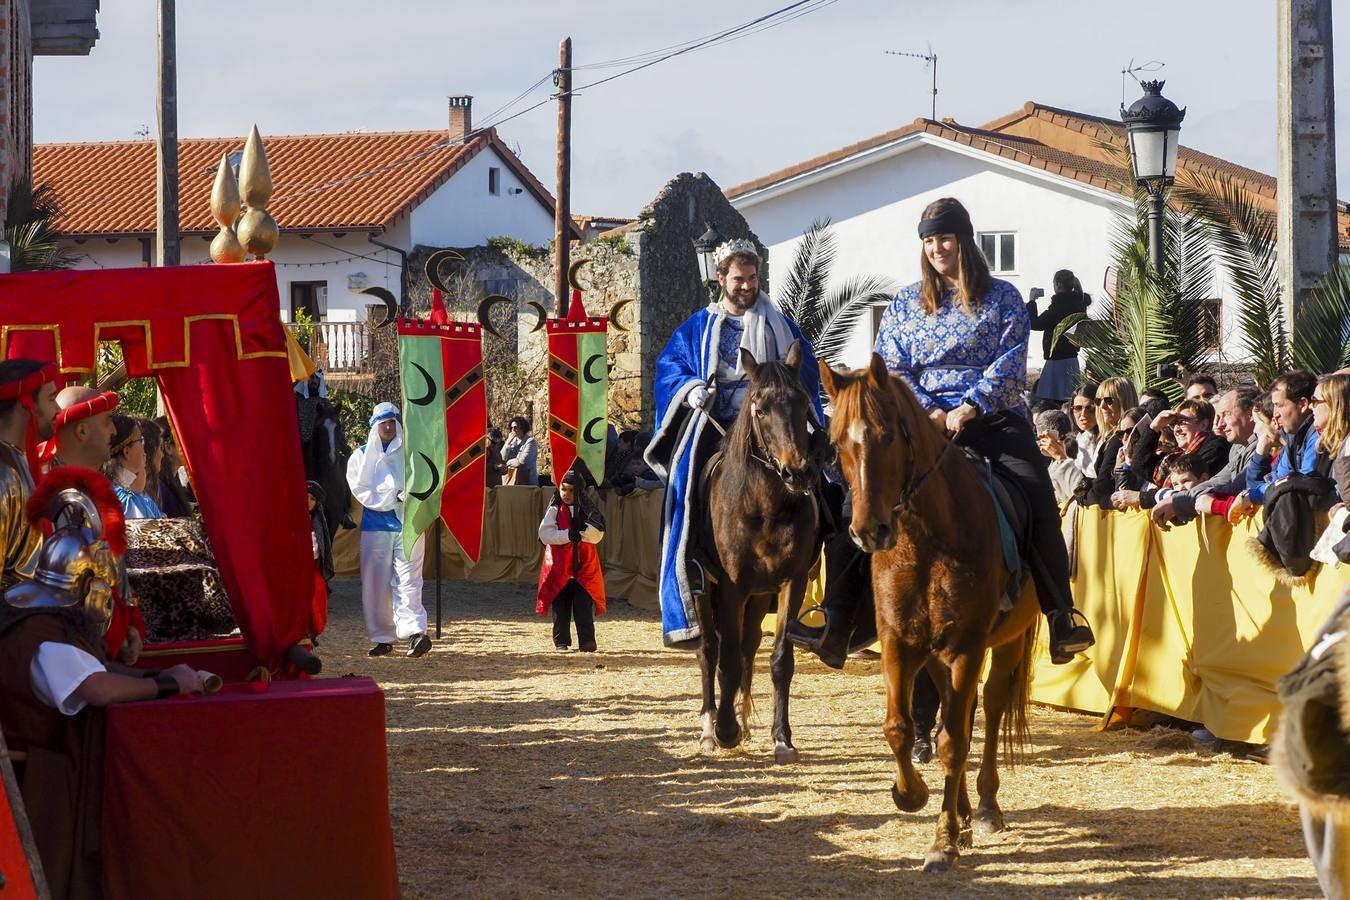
[[938, 575], [756, 540]]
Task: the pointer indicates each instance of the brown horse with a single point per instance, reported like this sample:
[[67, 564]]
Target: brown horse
[[938, 574], [756, 541]]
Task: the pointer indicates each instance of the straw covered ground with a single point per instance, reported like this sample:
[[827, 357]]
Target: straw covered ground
[[518, 771]]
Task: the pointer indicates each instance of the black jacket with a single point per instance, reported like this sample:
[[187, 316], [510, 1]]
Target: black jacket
[[1062, 306], [1104, 483]]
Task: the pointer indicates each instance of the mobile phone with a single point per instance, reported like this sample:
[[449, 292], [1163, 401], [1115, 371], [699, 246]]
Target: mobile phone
[[1171, 371], [1036, 293]]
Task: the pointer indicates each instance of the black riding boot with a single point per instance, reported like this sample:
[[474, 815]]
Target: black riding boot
[[1006, 440], [925, 709]]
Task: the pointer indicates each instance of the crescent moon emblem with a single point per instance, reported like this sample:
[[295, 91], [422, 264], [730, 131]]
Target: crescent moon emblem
[[586, 369], [435, 479], [390, 303], [543, 314], [431, 388], [485, 312], [614, 313], [586, 432], [433, 267], [572, 272]]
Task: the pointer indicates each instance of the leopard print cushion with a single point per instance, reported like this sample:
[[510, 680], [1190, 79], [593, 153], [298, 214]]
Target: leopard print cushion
[[173, 573]]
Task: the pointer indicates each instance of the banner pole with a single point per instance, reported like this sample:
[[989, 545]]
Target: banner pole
[[437, 550]]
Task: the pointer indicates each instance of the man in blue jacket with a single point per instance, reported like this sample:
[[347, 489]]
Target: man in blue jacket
[[1291, 400]]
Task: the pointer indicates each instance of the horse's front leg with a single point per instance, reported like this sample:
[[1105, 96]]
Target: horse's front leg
[[899, 665], [729, 610], [752, 625], [781, 666], [707, 664], [953, 750]]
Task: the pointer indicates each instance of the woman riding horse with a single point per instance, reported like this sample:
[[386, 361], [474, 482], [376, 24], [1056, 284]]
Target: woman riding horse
[[958, 337]]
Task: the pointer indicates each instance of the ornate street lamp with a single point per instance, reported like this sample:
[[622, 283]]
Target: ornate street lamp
[[1153, 126], [706, 246]]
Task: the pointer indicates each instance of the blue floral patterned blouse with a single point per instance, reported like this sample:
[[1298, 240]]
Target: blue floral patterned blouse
[[950, 356]]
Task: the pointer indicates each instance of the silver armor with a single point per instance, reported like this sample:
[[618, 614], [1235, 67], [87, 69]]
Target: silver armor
[[75, 567]]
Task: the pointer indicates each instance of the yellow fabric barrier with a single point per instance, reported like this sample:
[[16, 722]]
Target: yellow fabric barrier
[[512, 552], [1187, 622]]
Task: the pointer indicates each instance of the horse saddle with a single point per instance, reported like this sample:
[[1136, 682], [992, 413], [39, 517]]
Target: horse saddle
[[1014, 520]]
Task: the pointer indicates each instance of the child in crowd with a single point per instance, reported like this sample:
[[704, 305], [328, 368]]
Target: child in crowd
[[1183, 473], [570, 579]]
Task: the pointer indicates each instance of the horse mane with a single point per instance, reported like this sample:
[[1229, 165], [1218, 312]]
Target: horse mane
[[857, 401]]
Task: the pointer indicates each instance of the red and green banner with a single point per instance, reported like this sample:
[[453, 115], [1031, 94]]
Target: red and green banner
[[578, 390], [444, 430]]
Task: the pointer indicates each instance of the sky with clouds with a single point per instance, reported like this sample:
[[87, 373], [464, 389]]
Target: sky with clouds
[[735, 111]]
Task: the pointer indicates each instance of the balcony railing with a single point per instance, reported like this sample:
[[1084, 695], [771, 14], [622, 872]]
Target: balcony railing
[[338, 347]]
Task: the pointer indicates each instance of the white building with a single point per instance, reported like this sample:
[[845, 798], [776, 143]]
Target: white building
[[339, 200], [1042, 191]]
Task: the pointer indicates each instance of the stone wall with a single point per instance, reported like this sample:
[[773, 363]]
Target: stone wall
[[650, 262]]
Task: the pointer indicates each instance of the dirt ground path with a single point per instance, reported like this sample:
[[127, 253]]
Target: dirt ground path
[[517, 771]]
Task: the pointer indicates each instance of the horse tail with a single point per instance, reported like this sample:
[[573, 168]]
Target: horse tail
[[1015, 732]]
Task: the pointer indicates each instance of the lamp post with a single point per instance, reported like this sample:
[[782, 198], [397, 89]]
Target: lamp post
[[705, 245], [1153, 127]]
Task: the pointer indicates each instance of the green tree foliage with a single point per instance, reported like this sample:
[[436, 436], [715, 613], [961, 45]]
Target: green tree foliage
[[827, 317]]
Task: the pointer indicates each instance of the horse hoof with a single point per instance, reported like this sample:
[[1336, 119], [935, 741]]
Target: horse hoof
[[785, 756], [987, 822], [910, 802], [939, 861], [729, 739], [964, 839], [707, 745]]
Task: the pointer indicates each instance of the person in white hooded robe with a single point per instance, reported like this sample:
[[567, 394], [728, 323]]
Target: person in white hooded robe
[[391, 582]]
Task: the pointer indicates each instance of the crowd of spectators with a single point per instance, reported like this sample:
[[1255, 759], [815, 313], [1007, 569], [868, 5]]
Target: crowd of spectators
[[1281, 450]]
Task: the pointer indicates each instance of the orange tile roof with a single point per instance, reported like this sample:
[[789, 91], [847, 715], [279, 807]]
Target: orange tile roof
[[324, 182], [1059, 141]]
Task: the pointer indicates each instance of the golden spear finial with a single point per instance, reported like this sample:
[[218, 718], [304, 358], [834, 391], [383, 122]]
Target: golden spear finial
[[225, 204], [257, 229]]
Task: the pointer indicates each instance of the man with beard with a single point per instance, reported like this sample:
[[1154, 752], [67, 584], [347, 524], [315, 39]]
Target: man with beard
[[27, 411], [699, 377]]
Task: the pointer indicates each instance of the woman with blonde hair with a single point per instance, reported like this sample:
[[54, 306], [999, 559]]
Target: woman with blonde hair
[[1114, 397], [1331, 418], [958, 337]]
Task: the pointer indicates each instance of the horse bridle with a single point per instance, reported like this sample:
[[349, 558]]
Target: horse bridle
[[756, 443], [912, 485]]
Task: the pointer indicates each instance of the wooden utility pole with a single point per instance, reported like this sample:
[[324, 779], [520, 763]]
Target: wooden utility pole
[[1306, 217], [562, 221], [166, 151]]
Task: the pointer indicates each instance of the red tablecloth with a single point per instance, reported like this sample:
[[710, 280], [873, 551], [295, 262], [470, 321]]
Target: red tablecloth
[[249, 794]]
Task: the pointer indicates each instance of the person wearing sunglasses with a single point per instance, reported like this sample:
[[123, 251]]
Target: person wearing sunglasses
[[1114, 397]]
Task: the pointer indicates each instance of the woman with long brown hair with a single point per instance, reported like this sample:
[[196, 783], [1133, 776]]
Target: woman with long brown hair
[[958, 337]]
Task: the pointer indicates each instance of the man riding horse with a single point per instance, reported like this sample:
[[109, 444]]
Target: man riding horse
[[700, 380]]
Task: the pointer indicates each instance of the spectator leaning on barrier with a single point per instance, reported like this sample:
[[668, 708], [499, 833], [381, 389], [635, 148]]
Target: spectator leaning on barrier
[[1087, 442], [1052, 434], [1291, 405], [1114, 397], [1331, 418], [1192, 428], [1236, 421]]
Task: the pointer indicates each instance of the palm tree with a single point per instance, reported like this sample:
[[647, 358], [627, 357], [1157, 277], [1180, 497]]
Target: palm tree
[[827, 317], [1152, 321], [29, 230]]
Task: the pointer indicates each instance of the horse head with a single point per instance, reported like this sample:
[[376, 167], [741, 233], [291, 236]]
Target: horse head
[[879, 430], [773, 422]]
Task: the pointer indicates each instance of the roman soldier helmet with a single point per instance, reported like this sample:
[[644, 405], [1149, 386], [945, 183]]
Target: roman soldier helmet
[[77, 565]]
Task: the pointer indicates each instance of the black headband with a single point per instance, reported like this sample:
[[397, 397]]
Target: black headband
[[952, 221]]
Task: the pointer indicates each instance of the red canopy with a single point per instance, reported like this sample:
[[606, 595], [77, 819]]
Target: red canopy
[[211, 336]]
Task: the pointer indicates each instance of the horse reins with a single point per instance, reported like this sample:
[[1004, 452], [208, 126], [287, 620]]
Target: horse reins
[[756, 443], [912, 485]]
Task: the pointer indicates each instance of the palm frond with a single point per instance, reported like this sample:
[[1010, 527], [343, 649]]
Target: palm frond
[[804, 287], [34, 242], [841, 310], [1243, 236], [1322, 326]]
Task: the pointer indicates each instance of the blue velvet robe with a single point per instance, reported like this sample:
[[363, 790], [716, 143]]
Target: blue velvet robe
[[689, 359]]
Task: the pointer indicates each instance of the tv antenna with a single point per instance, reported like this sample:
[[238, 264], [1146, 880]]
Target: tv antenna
[[143, 132], [930, 59], [1152, 65]]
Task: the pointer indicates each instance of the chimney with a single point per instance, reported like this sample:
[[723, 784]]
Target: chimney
[[461, 116]]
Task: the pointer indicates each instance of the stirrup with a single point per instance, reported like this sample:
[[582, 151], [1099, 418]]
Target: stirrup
[[808, 637]]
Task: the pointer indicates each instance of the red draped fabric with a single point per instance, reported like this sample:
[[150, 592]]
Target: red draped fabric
[[464, 502], [213, 339]]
